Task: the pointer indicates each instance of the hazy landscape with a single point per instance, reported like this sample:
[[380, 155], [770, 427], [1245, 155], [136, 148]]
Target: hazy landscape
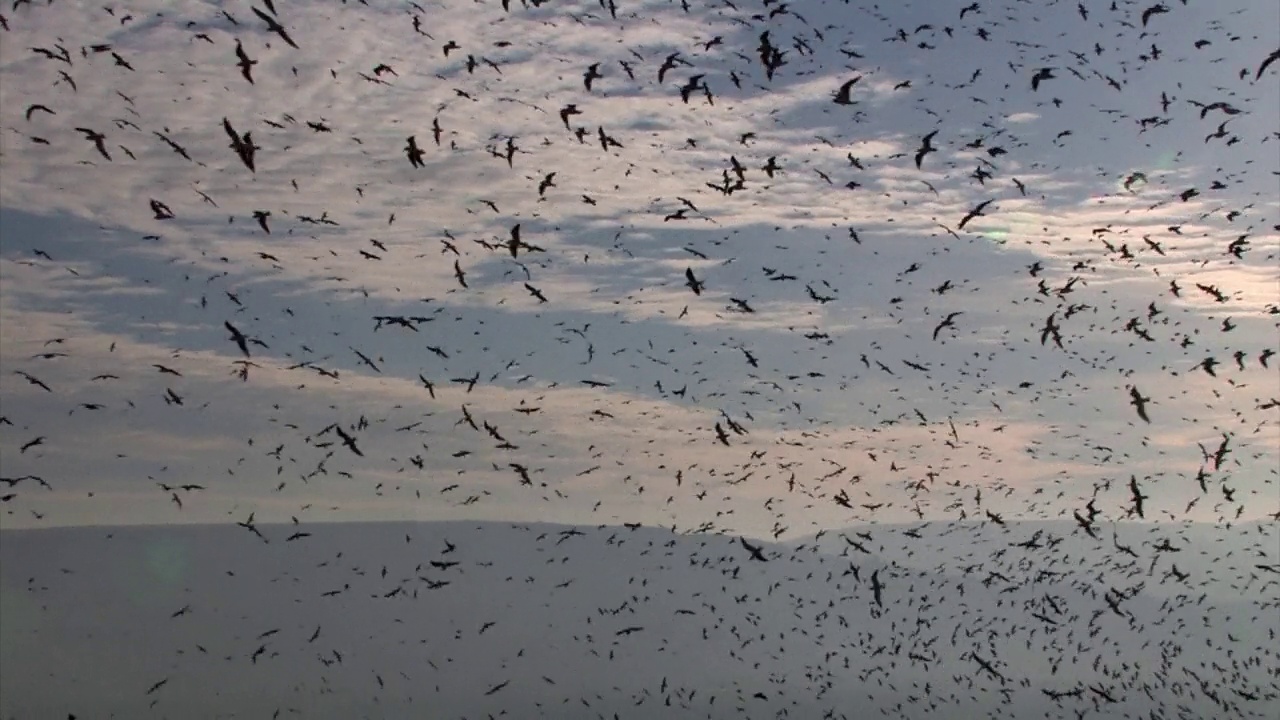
[[639, 358], [355, 621]]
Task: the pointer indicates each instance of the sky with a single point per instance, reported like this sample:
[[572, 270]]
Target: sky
[[976, 280], [840, 287]]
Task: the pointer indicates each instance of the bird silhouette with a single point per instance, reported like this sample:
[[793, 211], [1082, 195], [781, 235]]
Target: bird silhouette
[[244, 62], [842, 97], [757, 553], [926, 147], [414, 153]]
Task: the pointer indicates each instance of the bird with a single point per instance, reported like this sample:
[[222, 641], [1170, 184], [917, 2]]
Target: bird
[[275, 27], [98, 140], [161, 210], [757, 553], [926, 147], [690, 86], [1266, 62], [244, 62], [413, 152], [1040, 76], [568, 111], [842, 96], [721, 435], [948, 321], [242, 144], [365, 359], [32, 108], [669, 63], [977, 211], [1137, 497], [592, 74], [1139, 403], [238, 337], [1157, 9], [547, 182], [347, 440], [1208, 364], [33, 380], [692, 282]]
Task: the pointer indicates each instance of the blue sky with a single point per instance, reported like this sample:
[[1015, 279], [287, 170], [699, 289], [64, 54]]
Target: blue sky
[[87, 269]]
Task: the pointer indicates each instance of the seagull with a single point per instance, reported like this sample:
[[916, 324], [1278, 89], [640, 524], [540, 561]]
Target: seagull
[[692, 282], [243, 61], [239, 338], [97, 138], [1139, 402], [926, 147], [275, 27], [977, 211], [1041, 75], [757, 553], [948, 322], [414, 153], [842, 95]]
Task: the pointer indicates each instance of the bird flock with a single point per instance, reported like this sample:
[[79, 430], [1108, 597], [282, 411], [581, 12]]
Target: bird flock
[[919, 353]]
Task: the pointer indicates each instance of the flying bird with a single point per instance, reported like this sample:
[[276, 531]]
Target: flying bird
[[244, 62], [692, 282], [1273, 57], [1137, 497], [842, 94], [948, 322], [592, 74], [98, 139], [37, 106], [757, 553], [1139, 403], [926, 147], [414, 153], [242, 144], [238, 337], [1157, 9], [977, 211], [1041, 75], [275, 27]]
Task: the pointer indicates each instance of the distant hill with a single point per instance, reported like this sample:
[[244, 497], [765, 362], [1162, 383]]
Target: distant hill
[[1236, 550], [588, 622]]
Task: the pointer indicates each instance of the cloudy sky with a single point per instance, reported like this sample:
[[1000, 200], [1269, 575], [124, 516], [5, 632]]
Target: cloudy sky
[[815, 344]]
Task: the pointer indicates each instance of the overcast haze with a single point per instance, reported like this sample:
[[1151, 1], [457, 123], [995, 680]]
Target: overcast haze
[[954, 276]]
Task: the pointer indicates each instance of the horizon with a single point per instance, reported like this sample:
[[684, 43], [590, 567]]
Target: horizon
[[688, 532]]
